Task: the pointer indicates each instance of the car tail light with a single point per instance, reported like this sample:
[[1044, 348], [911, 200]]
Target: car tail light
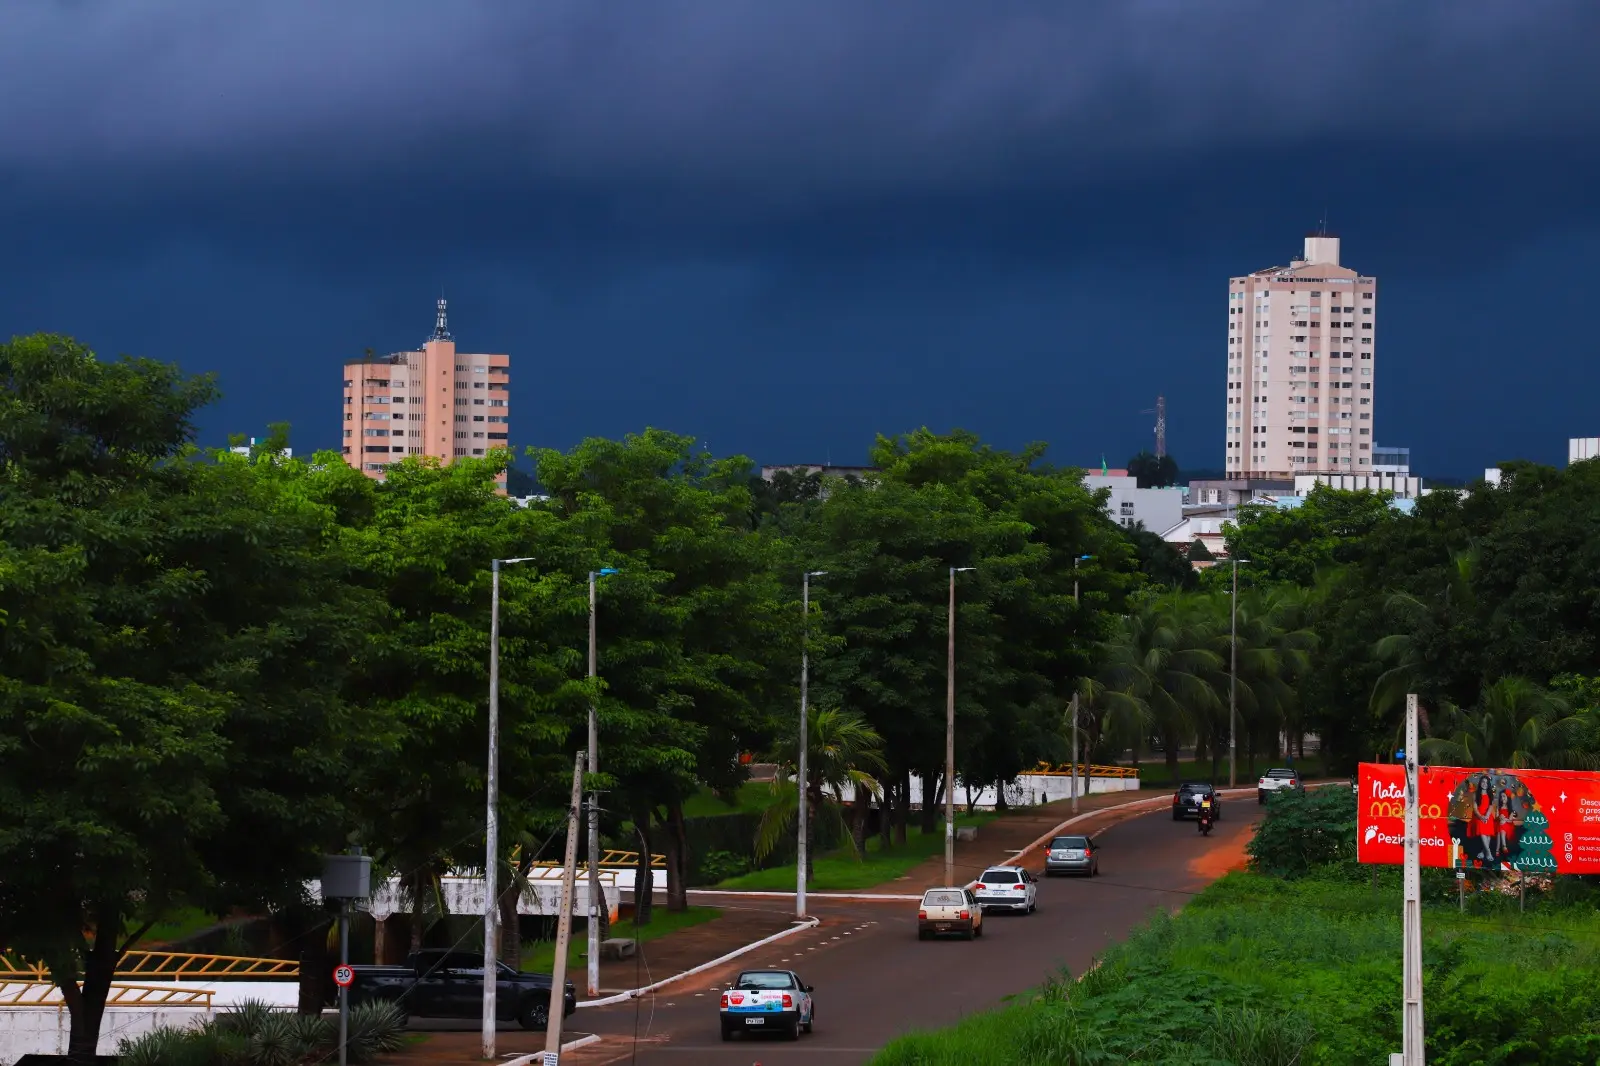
[[923, 915], [787, 1002], [965, 915], [724, 999]]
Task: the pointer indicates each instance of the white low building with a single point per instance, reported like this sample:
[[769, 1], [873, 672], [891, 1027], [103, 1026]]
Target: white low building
[[1129, 505]]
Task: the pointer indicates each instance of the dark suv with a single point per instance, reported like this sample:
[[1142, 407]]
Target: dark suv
[[1186, 801]]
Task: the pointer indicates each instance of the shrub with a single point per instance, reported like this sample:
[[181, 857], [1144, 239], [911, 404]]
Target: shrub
[[1304, 831], [721, 865], [256, 1034]]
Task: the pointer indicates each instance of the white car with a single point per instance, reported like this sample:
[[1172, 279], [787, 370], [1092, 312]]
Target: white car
[[1276, 781], [767, 1001], [1008, 888]]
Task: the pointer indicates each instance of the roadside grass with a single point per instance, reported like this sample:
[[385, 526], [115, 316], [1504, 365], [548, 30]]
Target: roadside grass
[[753, 797], [1153, 771], [181, 923], [1266, 972], [539, 956], [841, 871]]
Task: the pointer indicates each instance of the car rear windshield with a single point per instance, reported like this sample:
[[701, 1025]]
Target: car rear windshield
[[947, 898], [1190, 786], [1070, 842], [760, 980], [999, 877], [1280, 773]]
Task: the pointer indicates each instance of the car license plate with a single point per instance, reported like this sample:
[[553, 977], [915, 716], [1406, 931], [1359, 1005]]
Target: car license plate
[[941, 926], [754, 1021]]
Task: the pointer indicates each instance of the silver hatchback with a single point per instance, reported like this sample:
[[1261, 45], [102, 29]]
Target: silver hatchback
[[1072, 855]]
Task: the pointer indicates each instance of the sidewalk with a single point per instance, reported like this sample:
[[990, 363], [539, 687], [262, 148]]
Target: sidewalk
[[741, 923]]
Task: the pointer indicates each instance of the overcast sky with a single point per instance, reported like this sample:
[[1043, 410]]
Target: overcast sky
[[784, 227]]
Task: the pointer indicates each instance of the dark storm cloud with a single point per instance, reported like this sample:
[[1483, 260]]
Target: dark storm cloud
[[770, 103]]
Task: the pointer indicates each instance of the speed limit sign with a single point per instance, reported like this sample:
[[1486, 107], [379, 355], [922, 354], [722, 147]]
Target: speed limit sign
[[343, 976]]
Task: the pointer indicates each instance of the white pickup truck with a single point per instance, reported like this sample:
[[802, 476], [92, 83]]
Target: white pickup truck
[[1276, 781], [767, 1001]]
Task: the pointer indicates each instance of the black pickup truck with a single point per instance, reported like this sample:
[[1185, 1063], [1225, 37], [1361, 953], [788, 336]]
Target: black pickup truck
[[449, 984]]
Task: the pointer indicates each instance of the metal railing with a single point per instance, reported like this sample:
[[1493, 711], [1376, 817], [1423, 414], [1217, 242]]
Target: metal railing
[[613, 858], [34, 994], [173, 964], [1046, 769]]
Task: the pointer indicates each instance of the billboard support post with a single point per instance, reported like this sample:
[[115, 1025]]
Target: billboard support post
[[1411, 1045]]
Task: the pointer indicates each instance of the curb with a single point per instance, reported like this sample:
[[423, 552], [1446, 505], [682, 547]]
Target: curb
[[768, 894], [623, 997], [1152, 804], [538, 1056]]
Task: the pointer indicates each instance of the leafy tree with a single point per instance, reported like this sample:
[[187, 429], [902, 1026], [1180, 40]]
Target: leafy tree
[[1151, 472], [1161, 563], [1292, 544], [1305, 831], [1515, 724], [173, 644], [689, 625], [842, 752]]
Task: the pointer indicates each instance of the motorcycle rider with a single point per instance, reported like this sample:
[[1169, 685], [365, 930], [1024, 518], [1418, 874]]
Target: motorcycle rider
[[1207, 813]]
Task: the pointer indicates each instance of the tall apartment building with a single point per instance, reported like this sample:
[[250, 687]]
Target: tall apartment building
[[1300, 367], [434, 401]]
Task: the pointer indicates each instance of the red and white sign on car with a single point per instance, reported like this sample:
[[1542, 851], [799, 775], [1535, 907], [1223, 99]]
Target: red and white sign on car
[[1534, 820]]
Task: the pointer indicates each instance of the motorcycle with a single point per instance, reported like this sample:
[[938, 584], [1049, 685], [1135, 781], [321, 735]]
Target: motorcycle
[[1206, 818]]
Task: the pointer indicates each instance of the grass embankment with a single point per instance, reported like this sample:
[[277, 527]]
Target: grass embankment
[[540, 956], [753, 797], [1258, 970], [842, 871], [1153, 771]]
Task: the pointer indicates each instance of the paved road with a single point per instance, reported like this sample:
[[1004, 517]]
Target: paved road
[[864, 954]]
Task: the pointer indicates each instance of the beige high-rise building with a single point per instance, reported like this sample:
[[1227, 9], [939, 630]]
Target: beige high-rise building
[[1300, 367], [434, 401]]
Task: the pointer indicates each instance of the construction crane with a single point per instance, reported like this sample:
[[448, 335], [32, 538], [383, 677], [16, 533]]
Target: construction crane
[[1160, 411]]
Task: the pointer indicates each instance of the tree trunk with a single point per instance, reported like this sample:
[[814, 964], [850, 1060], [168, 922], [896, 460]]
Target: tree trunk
[[644, 878], [419, 881], [86, 1003], [1170, 742], [510, 941], [860, 809], [603, 912], [1000, 797], [886, 805], [316, 964], [1250, 752], [902, 809], [969, 797], [813, 801], [677, 859], [930, 811]]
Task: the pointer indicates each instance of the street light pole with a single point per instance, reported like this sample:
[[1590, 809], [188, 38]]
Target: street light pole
[[949, 741], [593, 930], [801, 850], [491, 864], [1233, 679]]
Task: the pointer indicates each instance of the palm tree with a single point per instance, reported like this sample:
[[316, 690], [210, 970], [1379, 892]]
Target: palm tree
[[1516, 724], [843, 750], [1159, 667], [1274, 654], [1402, 654]]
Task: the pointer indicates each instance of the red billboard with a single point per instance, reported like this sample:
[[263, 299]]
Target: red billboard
[[1533, 820]]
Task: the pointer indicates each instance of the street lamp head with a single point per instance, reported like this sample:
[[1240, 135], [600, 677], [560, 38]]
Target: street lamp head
[[498, 563], [815, 573], [606, 571], [1085, 558], [961, 569]]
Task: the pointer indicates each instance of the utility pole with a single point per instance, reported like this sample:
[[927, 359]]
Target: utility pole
[[949, 741], [593, 929], [1412, 1040], [801, 848], [558, 975], [1073, 710]]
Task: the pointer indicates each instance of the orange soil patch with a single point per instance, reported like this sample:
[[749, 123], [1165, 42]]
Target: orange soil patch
[[1222, 859]]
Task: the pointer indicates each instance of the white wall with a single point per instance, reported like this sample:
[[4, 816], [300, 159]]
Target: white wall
[[1158, 509], [1581, 448], [1027, 790]]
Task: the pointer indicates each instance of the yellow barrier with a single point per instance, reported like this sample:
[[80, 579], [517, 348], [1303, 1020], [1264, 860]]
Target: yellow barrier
[[173, 964], [611, 857], [1045, 769], [34, 994]]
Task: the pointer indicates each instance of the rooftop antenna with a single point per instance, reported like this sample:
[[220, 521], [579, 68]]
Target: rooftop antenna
[[441, 321], [1160, 411]]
